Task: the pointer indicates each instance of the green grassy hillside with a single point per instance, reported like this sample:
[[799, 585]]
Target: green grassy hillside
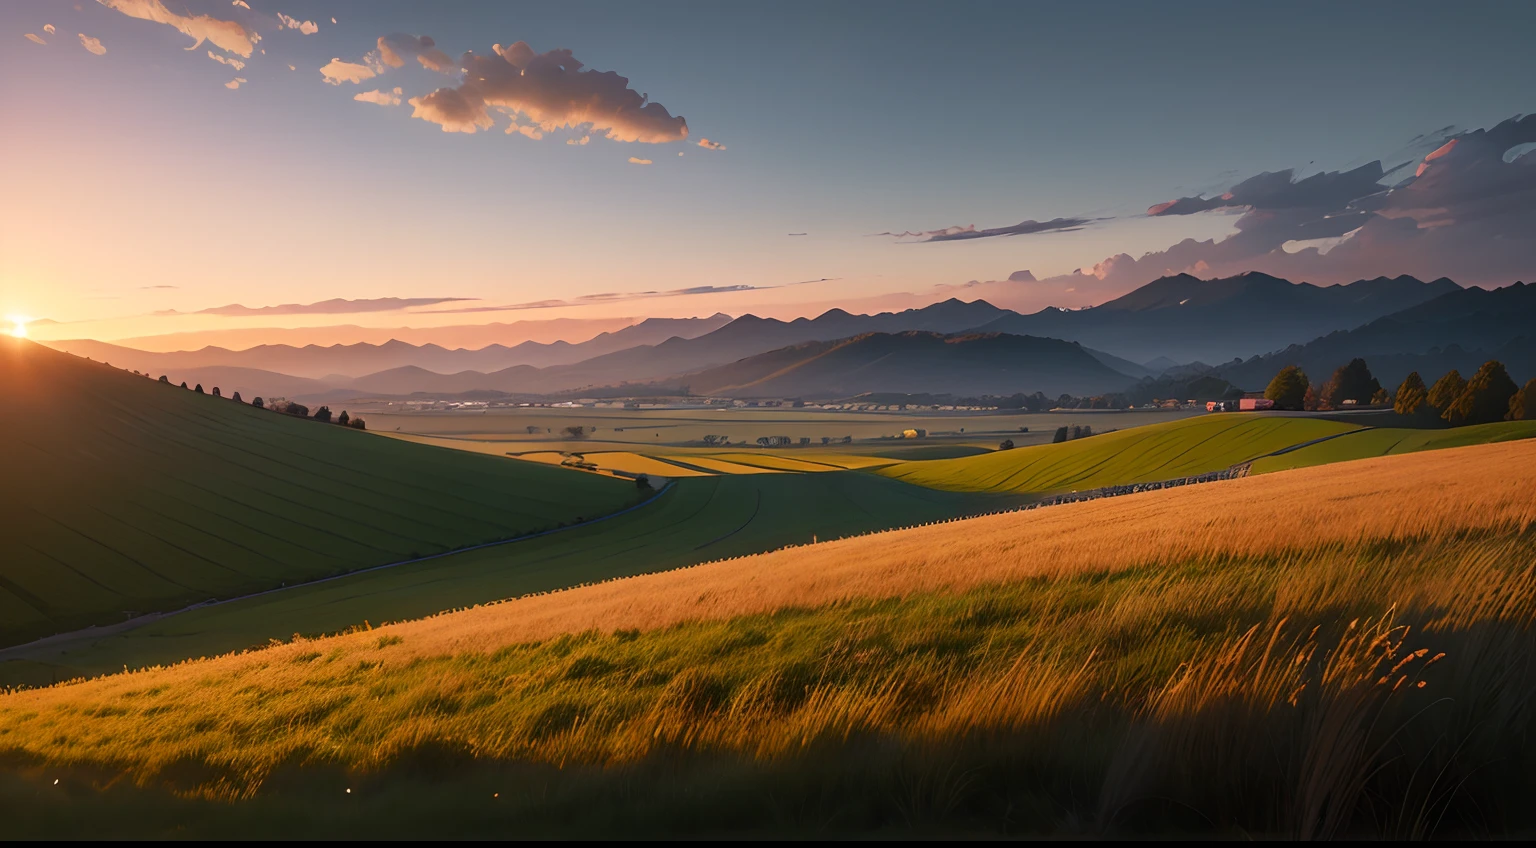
[[1384, 441], [1141, 455], [123, 496], [699, 519]]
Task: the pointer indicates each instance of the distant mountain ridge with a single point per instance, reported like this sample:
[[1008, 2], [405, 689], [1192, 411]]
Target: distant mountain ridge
[[913, 362], [356, 360], [1184, 318], [1461, 330]]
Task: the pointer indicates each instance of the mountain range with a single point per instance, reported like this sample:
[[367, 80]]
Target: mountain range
[[1183, 318], [1461, 329]]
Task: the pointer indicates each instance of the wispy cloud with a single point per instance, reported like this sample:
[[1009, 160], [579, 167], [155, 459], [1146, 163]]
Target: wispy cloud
[[233, 63], [36, 39], [382, 98], [335, 306], [305, 27], [228, 36], [619, 297], [969, 231], [710, 145], [48, 28], [633, 160], [92, 44]]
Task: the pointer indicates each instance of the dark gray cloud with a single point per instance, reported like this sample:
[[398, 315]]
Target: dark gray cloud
[[620, 297], [335, 306], [969, 231]]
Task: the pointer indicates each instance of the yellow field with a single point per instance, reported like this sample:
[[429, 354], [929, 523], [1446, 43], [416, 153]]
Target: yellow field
[[1251, 649]]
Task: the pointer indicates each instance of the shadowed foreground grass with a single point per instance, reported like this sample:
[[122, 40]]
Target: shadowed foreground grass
[[1378, 690], [1342, 651]]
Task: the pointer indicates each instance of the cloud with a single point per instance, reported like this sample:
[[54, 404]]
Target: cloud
[[710, 145], [305, 27], [1021, 277], [335, 306], [619, 297], [48, 28], [969, 231], [36, 39], [583, 140], [241, 3], [234, 83], [292, 68], [147, 288], [233, 63], [383, 98], [337, 72], [228, 36], [92, 44], [551, 91], [397, 47], [637, 161]]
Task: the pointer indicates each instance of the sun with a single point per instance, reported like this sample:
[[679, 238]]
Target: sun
[[19, 325]]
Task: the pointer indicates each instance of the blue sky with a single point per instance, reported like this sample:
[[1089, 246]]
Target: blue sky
[[139, 168]]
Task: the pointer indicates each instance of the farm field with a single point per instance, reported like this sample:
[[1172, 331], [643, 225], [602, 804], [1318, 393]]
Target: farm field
[[1154, 452], [1160, 663], [696, 520], [1384, 441], [127, 496]]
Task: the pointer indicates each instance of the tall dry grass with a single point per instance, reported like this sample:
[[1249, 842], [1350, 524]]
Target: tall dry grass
[[1311, 655]]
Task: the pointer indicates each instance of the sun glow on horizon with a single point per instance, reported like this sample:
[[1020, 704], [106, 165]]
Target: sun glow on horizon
[[19, 325]]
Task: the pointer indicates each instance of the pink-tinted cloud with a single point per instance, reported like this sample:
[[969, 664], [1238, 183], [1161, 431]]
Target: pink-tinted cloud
[[48, 28], [382, 98], [36, 39], [550, 91], [305, 27], [337, 72], [335, 306], [233, 63], [710, 145], [225, 35], [396, 48], [92, 44], [633, 160], [969, 231], [234, 83]]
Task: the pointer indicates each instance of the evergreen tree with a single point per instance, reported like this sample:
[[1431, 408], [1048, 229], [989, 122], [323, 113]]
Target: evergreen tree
[[1486, 397], [1446, 390], [1289, 388], [1352, 382], [1411, 395]]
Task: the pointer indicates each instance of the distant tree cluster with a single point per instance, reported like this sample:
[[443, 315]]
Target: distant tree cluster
[[1075, 431], [1491, 395]]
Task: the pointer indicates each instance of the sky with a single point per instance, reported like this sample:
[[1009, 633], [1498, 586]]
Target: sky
[[159, 161]]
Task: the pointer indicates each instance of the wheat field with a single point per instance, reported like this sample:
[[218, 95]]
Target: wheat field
[[1337, 651]]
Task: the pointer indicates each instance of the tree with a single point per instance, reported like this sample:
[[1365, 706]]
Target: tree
[[216, 392], [1381, 398], [344, 418], [1061, 435], [1445, 391], [1289, 388], [237, 399], [183, 384], [1411, 395], [357, 424], [323, 414], [532, 429], [164, 379], [1352, 382], [1486, 398], [1522, 407], [575, 431], [805, 441], [1006, 444], [199, 388], [826, 440], [259, 403], [643, 482], [1310, 401]]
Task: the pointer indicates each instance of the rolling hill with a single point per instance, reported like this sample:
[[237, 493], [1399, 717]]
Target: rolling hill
[[125, 496], [1461, 329], [913, 362], [1184, 318]]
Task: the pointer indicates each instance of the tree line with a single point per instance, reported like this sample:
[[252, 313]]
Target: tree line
[[285, 407], [1491, 395]]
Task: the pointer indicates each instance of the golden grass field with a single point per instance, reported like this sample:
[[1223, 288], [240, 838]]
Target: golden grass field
[[1334, 651]]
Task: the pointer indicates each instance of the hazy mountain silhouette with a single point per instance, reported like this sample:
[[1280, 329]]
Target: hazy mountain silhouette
[[1184, 318], [1461, 330]]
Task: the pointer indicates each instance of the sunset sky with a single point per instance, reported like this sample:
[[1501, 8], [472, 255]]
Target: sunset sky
[[141, 176]]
